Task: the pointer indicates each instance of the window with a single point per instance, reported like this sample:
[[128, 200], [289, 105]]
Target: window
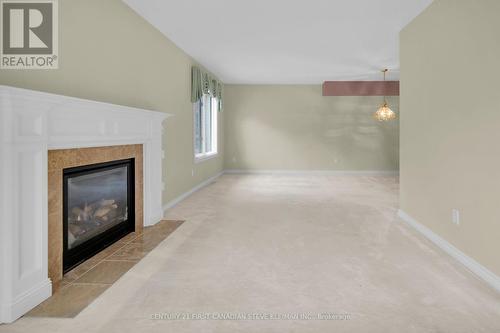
[[205, 127]]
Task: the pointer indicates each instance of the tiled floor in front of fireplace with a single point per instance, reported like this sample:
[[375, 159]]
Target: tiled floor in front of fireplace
[[87, 281]]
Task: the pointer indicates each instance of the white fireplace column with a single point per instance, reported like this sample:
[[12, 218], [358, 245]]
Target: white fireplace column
[[31, 124]]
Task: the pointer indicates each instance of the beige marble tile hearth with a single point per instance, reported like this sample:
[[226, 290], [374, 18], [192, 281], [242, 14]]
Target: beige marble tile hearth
[[83, 284]]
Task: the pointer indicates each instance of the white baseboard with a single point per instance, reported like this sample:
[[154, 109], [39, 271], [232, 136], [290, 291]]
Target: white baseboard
[[315, 172], [26, 302], [475, 267], [183, 196]]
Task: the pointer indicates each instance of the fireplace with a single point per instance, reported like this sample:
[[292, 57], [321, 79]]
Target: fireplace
[[43, 134], [98, 208]]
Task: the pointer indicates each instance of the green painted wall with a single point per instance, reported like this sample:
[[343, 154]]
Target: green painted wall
[[450, 121], [109, 53], [294, 127]]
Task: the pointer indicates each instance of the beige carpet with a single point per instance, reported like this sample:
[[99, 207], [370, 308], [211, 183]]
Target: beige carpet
[[290, 245]]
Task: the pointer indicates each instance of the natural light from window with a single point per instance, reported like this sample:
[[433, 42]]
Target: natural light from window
[[205, 127]]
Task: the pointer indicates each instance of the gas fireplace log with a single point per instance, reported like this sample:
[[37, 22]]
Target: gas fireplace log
[[82, 214], [75, 230], [76, 211], [105, 202], [103, 211], [95, 210]]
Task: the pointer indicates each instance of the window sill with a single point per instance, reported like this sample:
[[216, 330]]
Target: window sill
[[204, 157]]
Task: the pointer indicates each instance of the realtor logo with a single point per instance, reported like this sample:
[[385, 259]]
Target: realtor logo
[[29, 34]]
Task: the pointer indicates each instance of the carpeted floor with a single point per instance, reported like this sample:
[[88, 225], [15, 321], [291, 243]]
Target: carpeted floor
[[266, 247]]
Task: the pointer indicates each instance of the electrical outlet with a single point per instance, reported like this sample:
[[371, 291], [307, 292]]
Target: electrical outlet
[[192, 172], [455, 216]]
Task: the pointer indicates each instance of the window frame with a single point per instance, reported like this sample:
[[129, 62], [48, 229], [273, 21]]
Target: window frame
[[214, 110]]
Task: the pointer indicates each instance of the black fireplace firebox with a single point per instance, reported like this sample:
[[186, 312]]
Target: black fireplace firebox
[[98, 208]]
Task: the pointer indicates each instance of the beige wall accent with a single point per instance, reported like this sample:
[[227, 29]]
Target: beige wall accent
[[294, 127], [68, 158], [450, 118], [109, 53]]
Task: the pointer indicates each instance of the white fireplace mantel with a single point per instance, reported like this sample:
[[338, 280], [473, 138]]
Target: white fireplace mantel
[[31, 123]]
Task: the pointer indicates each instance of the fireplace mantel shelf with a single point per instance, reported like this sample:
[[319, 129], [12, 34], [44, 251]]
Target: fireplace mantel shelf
[[32, 123]]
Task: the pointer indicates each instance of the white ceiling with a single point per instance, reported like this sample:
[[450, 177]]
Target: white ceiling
[[286, 41]]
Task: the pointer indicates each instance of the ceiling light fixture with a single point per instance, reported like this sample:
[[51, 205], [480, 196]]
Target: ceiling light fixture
[[384, 113]]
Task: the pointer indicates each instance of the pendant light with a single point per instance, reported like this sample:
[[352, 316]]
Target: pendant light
[[384, 113]]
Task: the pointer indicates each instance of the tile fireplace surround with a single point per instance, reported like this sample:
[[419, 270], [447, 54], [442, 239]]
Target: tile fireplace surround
[[58, 160], [40, 134]]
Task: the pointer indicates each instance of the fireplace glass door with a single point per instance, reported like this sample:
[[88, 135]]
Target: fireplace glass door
[[98, 208]]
